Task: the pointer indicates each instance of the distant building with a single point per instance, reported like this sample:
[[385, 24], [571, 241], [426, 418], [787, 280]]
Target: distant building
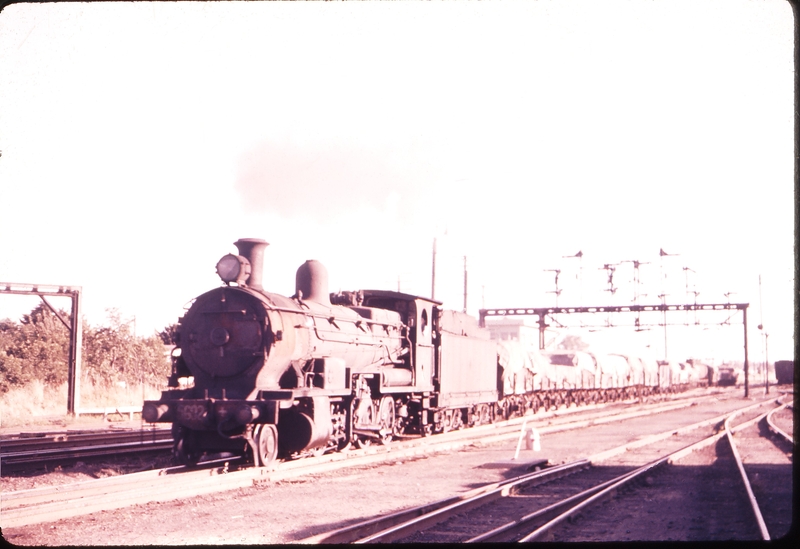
[[522, 329]]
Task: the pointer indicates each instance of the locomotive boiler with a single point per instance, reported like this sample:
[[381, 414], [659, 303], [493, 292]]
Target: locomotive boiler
[[277, 375]]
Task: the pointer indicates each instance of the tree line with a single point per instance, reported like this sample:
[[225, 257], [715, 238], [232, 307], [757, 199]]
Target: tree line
[[37, 348]]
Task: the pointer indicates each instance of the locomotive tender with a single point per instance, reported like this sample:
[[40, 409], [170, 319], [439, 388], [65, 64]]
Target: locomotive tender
[[282, 376]]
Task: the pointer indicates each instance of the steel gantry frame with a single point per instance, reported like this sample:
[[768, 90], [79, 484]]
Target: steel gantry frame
[[73, 324], [542, 312]]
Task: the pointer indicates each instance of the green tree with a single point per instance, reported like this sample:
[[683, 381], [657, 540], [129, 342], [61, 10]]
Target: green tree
[[112, 353], [35, 348], [169, 335]]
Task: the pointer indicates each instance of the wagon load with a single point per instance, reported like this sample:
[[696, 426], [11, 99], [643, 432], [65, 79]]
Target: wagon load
[[571, 370], [520, 368]]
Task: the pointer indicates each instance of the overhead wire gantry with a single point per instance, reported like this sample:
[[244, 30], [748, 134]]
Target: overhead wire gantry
[[73, 324], [543, 312]]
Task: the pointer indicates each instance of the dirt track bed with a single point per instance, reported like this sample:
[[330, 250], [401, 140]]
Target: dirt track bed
[[691, 501], [288, 511], [700, 498]]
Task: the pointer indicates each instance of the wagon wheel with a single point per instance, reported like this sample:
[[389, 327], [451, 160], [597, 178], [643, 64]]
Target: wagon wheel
[[265, 437], [386, 419], [455, 420], [486, 417], [446, 421]]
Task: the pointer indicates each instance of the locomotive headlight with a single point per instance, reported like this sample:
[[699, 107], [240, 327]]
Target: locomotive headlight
[[233, 268]]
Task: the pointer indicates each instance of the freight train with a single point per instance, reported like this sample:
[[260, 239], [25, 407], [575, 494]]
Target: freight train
[[277, 376]]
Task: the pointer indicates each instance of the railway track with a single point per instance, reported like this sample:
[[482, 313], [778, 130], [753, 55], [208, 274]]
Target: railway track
[[30, 451], [45, 450], [520, 509], [762, 454], [780, 421], [53, 503]]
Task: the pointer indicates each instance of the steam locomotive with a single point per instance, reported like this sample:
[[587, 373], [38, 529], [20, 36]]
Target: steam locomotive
[[279, 376]]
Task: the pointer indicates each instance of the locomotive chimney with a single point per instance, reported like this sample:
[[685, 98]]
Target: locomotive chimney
[[253, 250], [312, 282]]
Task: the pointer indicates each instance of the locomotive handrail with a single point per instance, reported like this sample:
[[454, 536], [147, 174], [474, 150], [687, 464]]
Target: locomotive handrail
[[308, 312]]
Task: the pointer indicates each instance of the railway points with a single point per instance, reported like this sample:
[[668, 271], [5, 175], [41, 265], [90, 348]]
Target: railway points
[[539, 509]]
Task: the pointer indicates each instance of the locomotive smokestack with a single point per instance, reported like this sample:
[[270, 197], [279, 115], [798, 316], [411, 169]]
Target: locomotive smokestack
[[312, 282], [253, 250]]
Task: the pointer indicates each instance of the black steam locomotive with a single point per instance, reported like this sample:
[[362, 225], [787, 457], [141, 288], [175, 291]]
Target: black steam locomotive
[[279, 376]]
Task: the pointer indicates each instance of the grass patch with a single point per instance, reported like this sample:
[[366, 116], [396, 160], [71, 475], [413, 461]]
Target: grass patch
[[40, 404]]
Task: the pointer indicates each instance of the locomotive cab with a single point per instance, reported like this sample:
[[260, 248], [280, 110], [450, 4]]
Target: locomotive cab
[[418, 314]]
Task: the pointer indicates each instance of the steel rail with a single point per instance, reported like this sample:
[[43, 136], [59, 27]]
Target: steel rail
[[404, 523], [774, 427], [627, 478], [762, 526], [63, 440], [64, 501], [20, 460], [588, 497], [495, 432], [17, 454], [394, 526], [585, 421], [24, 507], [573, 503]]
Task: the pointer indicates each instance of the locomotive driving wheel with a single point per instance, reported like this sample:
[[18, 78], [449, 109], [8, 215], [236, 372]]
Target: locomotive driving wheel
[[386, 419], [265, 437]]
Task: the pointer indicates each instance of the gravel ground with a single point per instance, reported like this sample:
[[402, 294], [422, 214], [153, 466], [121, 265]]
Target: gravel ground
[[291, 510], [700, 498]]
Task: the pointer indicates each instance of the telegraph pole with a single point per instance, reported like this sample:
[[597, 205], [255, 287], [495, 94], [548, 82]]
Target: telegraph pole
[[766, 338], [433, 273], [465, 284]]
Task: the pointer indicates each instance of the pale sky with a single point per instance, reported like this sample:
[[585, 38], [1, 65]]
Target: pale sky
[[140, 140]]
